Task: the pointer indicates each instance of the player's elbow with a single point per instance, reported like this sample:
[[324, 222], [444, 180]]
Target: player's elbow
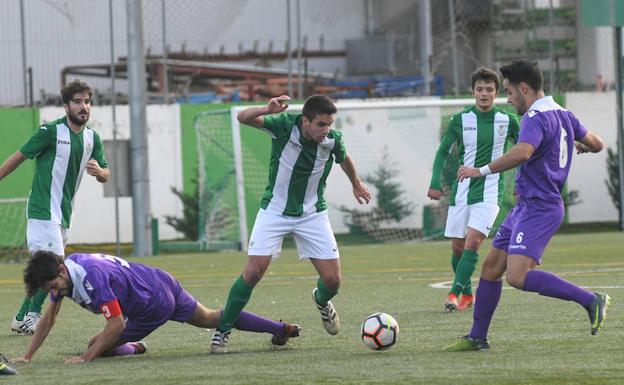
[[242, 117], [524, 151], [597, 145], [593, 142], [117, 327]]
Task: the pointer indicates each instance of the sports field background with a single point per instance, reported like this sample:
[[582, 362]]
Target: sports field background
[[535, 340]]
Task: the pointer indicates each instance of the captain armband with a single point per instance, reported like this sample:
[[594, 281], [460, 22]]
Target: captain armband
[[111, 309]]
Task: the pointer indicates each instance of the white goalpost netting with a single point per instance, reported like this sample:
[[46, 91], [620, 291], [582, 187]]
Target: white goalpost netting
[[13, 228]]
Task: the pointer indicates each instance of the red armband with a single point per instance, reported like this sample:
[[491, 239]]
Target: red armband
[[111, 309]]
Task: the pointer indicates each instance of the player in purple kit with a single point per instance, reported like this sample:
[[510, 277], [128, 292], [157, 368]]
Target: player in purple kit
[[134, 298], [548, 134]]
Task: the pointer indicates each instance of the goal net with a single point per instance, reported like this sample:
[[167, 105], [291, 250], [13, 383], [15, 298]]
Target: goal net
[[392, 143], [13, 228]]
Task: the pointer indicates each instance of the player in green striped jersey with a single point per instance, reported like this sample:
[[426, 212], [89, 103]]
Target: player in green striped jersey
[[63, 150], [303, 149], [482, 134]]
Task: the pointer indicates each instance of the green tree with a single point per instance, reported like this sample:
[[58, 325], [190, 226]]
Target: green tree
[[389, 197], [613, 183], [390, 205], [189, 223]]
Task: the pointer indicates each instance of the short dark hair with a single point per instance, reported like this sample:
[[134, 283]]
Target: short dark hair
[[318, 105], [72, 88], [485, 74], [524, 71], [42, 267]]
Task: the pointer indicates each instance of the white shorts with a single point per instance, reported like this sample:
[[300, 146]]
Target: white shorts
[[46, 235], [313, 235], [479, 216]]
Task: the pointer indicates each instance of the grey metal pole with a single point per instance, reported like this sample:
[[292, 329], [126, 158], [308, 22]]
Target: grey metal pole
[[368, 15], [299, 52], [23, 37], [289, 48], [551, 49], [165, 53], [114, 112], [451, 6], [141, 221], [620, 124], [424, 24]]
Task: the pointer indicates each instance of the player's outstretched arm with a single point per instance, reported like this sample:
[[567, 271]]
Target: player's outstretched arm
[[41, 333], [107, 339], [518, 154], [591, 142], [253, 116], [11, 164], [360, 190]]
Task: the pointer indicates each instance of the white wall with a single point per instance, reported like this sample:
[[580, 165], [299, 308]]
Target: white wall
[[589, 171], [93, 220]]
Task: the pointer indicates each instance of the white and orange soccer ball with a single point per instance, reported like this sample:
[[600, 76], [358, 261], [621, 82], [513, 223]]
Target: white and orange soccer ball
[[380, 331]]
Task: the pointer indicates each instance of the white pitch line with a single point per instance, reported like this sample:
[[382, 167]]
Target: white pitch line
[[447, 285]]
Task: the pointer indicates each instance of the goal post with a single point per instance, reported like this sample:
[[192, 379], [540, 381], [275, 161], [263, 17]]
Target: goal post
[[393, 145], [13, 228]]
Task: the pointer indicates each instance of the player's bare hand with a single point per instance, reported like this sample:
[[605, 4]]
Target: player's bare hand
[[467, 172], [20, 359], [278, 104], [361, 193], [581, 148], [434, 194], [75, 360], [93, 168]]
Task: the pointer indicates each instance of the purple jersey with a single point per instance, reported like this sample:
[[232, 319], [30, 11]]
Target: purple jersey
[[99, 279], [551, 130]]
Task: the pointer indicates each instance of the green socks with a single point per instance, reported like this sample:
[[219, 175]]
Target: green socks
[[31, 304], [23, 309], [36, 302], [323, 294], [463, 274], [455, 261], [239, 295]]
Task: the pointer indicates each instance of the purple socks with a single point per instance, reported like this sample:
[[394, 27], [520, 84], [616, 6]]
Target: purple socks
[[551, 285], [488, 294], [542, 282], [254, 323]]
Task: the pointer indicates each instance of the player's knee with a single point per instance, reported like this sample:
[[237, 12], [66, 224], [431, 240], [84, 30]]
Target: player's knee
[[515, 280], [252, 276], [333, 282], [473, 244], [254, 270], [490, 270]]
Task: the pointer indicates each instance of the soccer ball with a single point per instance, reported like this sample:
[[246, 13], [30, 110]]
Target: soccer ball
[[380, 331]]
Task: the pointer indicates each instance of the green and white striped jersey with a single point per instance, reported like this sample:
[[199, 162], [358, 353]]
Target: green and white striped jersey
[[481, 138], [61, 158], [299, 167]]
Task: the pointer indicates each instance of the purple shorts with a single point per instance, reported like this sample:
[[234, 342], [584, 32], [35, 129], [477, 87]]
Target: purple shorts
[[171, 303], [528, 227]]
